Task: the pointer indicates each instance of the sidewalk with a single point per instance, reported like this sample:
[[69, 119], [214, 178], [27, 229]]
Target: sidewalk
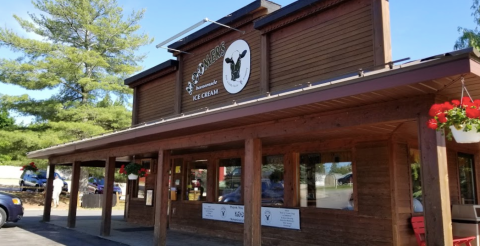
[[130, 234]]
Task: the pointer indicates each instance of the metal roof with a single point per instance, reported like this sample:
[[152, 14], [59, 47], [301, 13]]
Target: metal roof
[[150, 71], [225, 20]]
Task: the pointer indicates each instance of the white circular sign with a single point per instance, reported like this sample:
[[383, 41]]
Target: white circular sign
[[236, 66]]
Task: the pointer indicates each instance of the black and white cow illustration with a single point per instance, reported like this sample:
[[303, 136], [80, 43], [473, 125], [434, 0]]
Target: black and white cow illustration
[[235, 66]]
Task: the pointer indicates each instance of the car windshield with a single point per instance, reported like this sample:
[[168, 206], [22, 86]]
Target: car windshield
[[100, 182]]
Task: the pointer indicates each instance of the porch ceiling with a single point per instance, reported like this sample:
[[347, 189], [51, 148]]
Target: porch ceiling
[[440, 76]]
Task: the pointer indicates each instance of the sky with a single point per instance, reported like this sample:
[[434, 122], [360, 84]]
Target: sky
[[419, 28]]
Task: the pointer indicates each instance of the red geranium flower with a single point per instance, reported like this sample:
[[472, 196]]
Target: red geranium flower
[[432, 124]]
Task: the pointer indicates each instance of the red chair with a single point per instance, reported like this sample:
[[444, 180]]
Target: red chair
[[419, 229]]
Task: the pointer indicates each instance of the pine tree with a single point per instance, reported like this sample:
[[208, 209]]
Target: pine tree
[[85, 51]]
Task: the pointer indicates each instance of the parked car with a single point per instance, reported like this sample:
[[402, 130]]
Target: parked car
[[272, 194], [346, 179], [37, 179], [95, 185], [11, 208]]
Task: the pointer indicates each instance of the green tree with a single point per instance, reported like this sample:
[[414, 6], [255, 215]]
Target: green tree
[[469, 37], [6, 122], [85, 51]]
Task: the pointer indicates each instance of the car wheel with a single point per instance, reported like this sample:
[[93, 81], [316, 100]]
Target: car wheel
[[3, 217], [96, 192], [22, 186]]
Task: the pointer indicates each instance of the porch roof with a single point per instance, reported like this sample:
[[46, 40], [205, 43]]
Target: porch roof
[[438, 75]]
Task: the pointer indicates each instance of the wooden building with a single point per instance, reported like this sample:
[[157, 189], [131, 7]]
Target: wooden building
[[296, 130]]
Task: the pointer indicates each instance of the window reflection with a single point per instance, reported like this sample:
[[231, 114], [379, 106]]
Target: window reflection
[[417, 198], [230, 180], [466, 178], [272, 180], [326, 180]]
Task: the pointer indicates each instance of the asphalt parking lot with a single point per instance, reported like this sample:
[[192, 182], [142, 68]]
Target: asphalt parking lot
[[30, 231]]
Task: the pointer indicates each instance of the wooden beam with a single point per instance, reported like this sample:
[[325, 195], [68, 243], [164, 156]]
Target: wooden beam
[[382, 41], [161, 199], [252, 193], [72, 206], [435, 186], [47, 208], [106, 222], [405, 109], [291, 179], [264, 64]]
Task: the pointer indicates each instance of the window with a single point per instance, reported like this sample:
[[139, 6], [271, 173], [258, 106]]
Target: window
[[197, 180], [326, 180], [417, 198], [230, 180], [466, 178], [272, 180]]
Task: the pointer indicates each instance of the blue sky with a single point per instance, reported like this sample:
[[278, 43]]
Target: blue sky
[[419, 28]]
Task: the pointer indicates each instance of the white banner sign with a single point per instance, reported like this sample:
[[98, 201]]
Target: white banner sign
[[275, 217]]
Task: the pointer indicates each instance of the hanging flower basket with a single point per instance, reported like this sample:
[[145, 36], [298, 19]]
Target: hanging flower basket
[[132, 176], [133, 171], [461, 136], [461, 117]]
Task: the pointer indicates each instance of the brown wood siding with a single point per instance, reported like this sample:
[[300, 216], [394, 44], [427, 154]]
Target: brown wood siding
[[155, 99], [187, 216], [326, 45], [453, 177], [215, 71]]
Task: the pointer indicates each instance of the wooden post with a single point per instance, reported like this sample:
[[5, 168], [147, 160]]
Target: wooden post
[[291, 179], [382, 41], [106, 222], [252, 235], [212, 181], [435, 191], [72, 206], [47, 208], [161, 199]]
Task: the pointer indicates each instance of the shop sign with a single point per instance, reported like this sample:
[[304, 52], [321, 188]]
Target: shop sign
[[275, 217], [215, 54], [236, 66]]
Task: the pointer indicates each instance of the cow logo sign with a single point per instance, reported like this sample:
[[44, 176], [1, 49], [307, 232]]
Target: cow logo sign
[[236, 66]]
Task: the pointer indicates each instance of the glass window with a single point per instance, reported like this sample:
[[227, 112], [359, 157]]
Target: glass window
[[326, 180], [417, 198], [466, 178], [272, 180], [197, 180], [230, 180]]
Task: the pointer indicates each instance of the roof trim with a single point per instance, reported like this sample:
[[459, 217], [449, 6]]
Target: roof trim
[[150, 71], [446, 65], [284, 12], [225, 20]]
